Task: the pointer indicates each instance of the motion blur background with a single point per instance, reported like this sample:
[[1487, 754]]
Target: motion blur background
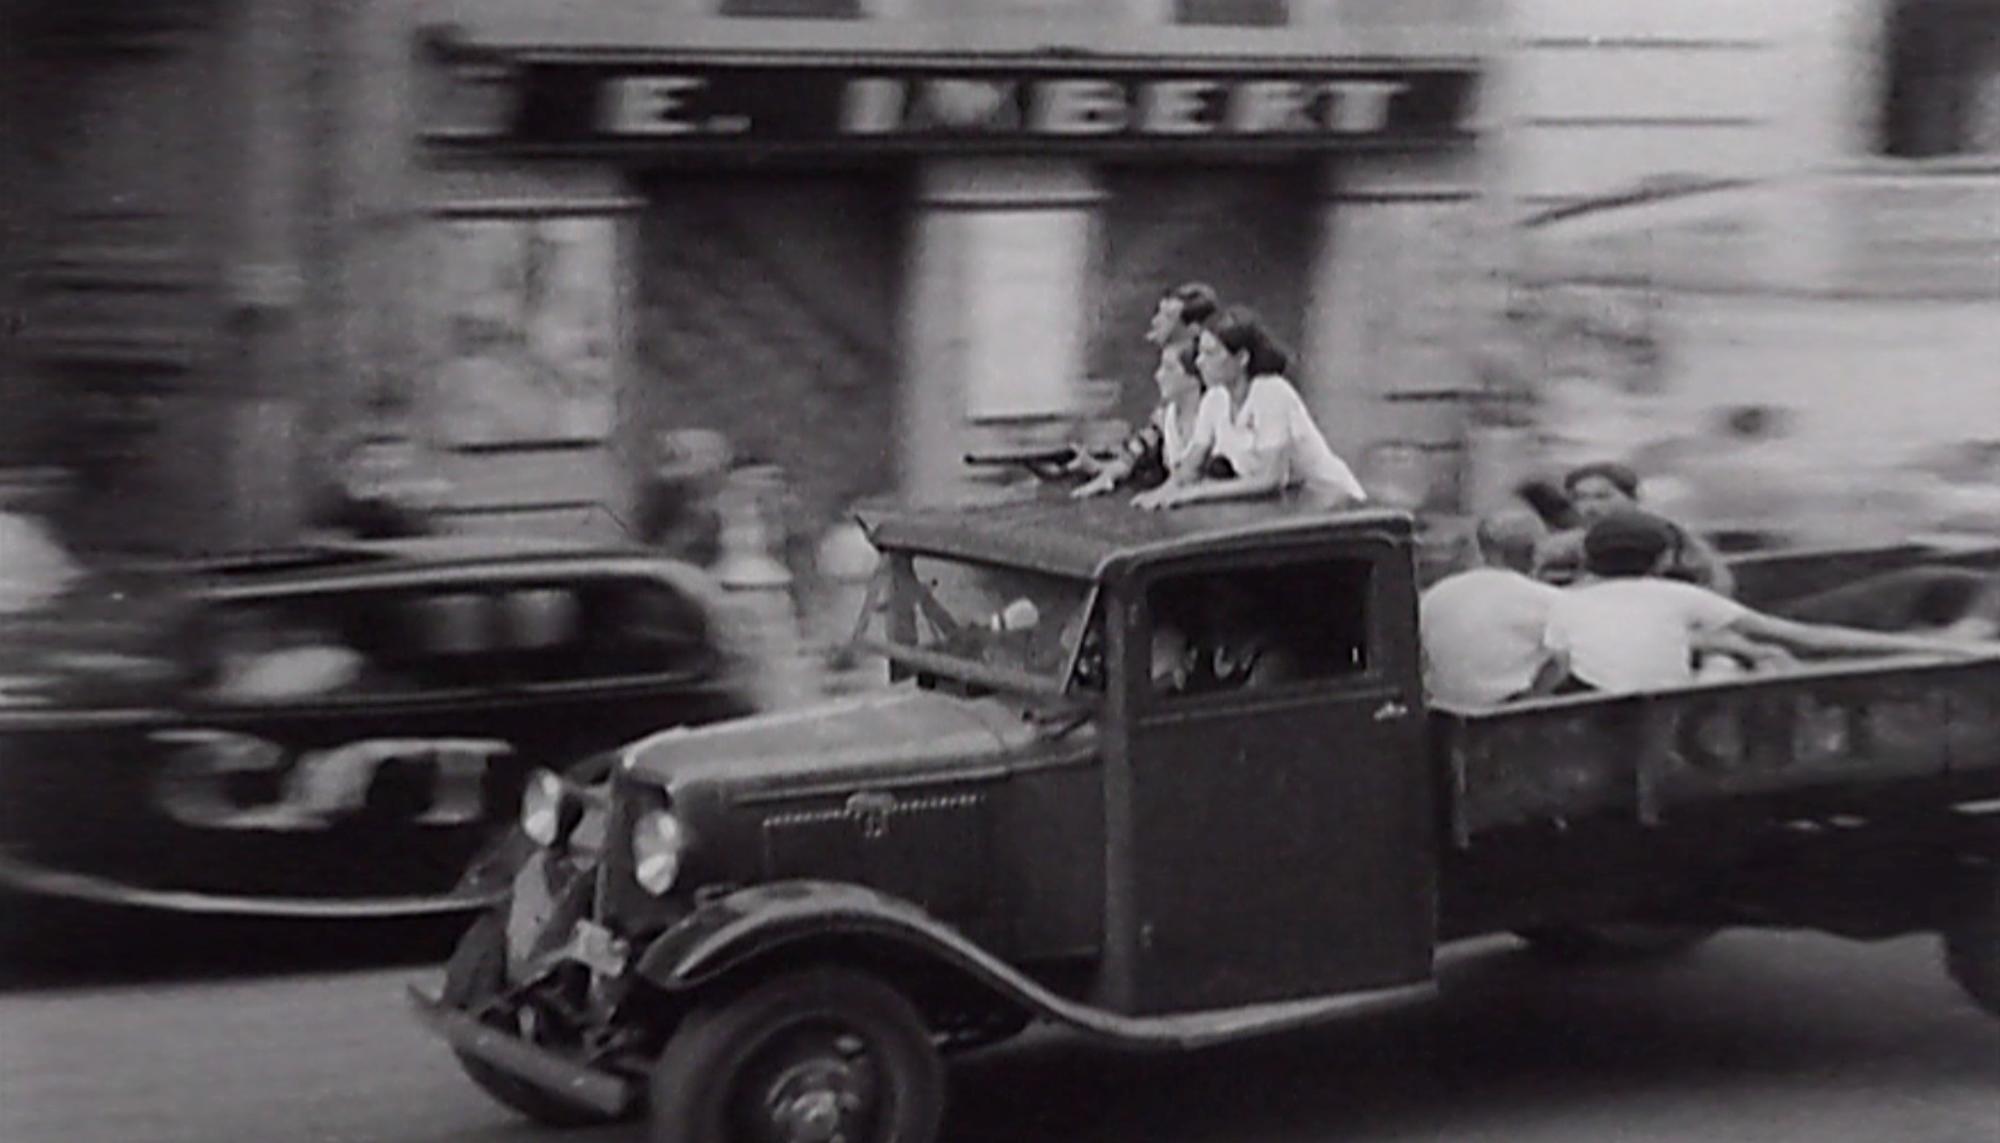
[[1752, 248]]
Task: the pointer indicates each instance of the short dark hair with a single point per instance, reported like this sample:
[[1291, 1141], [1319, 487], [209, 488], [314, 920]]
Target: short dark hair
[[1549, 502], [1198, 300], [1617, 475], [1240, 330], [1627, 544]]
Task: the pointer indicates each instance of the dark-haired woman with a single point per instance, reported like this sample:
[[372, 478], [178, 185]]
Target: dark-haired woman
[[1259, 439]]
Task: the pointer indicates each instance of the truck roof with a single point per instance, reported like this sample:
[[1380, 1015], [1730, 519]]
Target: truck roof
[[1093, 539]]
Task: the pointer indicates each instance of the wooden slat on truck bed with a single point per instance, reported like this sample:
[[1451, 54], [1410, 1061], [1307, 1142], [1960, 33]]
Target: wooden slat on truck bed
[[1564, 759]]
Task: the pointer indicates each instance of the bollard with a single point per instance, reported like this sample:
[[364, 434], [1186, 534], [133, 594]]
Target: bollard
[[846, 563], [758, 589]]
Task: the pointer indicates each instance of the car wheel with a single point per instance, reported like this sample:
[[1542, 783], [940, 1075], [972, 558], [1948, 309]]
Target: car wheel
[[1972, 951], [812, 1056], [1614, 943], [475, 975]]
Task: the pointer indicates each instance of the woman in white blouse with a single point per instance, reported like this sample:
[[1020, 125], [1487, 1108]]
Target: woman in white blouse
[[1258, 439], [1169, 433]]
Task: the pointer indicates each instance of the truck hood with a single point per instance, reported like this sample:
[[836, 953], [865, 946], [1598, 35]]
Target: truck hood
[[878, 735]]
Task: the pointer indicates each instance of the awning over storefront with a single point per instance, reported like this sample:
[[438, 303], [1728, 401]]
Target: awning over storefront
[[1436, 32], [620, 75]]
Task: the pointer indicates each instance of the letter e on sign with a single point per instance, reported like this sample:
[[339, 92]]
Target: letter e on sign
[[649, 105], [1174, 107]]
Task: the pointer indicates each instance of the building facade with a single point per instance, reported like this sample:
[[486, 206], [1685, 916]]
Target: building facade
[[1792, 205], [163, 335], [857, 238]]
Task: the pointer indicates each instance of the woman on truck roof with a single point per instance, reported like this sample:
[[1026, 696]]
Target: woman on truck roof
[[1150, 456], [1260, 429]]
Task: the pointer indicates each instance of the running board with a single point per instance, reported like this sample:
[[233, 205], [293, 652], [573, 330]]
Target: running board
[[1191, 1030]]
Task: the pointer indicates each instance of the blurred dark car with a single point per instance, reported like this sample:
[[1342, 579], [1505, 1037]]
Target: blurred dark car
[[333, 731]]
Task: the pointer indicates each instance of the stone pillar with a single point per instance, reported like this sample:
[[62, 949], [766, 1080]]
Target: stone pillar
[[1825, 116], [1394, 302], [382, 268], [17, 387], [995, 312], [270, 73]]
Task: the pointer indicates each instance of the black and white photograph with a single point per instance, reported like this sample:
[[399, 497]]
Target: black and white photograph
[[999, 571]]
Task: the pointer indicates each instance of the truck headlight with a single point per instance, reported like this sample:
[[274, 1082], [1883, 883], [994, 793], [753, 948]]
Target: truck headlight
[[550, 810], [657, 844]]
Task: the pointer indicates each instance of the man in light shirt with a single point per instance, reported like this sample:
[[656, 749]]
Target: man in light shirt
[[1482, 630], [1625, 629]]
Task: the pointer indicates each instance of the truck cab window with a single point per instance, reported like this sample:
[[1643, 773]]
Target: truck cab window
[[1259, 627]]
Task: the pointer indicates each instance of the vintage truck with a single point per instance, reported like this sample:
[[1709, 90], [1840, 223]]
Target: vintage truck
[[776, 928]]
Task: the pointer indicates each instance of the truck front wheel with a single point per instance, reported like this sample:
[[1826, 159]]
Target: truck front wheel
[[1972, 949], [811, 1056]]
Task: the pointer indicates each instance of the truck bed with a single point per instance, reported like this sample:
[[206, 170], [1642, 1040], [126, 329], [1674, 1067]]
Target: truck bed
[[1930, 723]]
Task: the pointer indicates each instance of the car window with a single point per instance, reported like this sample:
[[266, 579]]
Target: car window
[[434, 639], [446, 623], [539, 619], [643, 627], [410, 641], [487, 636], [284, 650], [1259, 627], [606, 628]]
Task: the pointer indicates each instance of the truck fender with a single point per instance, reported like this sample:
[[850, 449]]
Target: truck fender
[[727, 933]]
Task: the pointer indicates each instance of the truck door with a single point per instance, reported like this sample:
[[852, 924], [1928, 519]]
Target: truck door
[[1277, 833]]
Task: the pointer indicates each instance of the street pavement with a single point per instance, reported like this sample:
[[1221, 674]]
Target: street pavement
[[1757, 1037]]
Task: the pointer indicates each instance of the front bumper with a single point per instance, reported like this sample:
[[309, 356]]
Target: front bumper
[[599, 1091]]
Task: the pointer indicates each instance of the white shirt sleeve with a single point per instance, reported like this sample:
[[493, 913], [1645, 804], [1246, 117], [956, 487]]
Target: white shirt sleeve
[[1705, 610], [1283, 429]]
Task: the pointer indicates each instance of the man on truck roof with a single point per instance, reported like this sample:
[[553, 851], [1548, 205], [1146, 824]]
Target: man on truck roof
[[1625, 628]]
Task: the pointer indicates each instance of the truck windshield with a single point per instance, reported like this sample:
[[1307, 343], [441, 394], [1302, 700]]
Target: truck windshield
[[1001, 621]]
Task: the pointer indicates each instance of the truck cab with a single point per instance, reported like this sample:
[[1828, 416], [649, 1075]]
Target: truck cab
[[1252, 680]]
